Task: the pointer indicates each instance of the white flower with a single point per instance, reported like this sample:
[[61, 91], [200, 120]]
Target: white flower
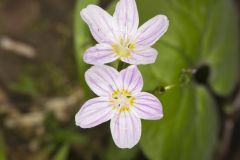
[[121, 101], [119, 36]]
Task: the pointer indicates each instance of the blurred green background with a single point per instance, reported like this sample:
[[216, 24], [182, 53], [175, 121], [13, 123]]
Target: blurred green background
[[42, 84]]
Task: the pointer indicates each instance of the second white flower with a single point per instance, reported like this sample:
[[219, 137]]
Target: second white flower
[[119, 36]]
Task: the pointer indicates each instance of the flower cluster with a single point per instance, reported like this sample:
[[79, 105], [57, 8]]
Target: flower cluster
[[120, 98]]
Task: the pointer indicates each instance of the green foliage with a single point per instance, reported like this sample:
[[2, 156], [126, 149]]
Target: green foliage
[[58, 134], [33, 80], [25, 85], [63, 136], [198, 35], [62, 153], [2, 148]]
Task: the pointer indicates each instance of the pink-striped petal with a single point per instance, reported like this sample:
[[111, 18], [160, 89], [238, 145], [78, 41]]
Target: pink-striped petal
[[132, 79], [142, 56], [100, 54], [99, 22], [147, 106], [94, 112], [103, 79], [126, 17], [152, 30], [125, 129]]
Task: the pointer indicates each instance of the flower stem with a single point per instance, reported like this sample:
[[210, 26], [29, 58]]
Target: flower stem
[[184, 79], [162, 89]]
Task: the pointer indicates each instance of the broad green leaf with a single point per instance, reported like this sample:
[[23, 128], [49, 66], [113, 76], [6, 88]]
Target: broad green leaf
[[220, 45], [197, 35], [201, 32], [83, 40], [188, 130]]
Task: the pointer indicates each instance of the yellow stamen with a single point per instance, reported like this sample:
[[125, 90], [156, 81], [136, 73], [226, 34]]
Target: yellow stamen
[[121, 51], [124, 109], [132, 46], [123, 100], [123, 48]]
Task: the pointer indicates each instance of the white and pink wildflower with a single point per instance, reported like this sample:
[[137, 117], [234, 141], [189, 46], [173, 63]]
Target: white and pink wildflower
[[120, 101], [119, 37]]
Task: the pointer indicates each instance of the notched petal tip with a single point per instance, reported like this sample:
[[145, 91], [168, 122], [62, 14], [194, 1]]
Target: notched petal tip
[[165, 22], [86, 11], [126, 16], [100, 23], [83, 12]]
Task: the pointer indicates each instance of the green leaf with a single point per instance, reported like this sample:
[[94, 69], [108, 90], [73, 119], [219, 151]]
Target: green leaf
[[221, 44], [188, 130], [197, 35], [113, 152], [62, 153], [83, 40], [2, 148]]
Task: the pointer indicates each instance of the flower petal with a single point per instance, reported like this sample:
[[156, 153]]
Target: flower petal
[[142, 56], [100, 54], [132, 79], [94, 112], [152, 30], [147, 106], [103, 80], [125, 129], [126, 17], [99, 22]]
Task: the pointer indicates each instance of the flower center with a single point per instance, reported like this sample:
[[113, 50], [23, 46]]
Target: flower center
[[124, 48], [122, 100]]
